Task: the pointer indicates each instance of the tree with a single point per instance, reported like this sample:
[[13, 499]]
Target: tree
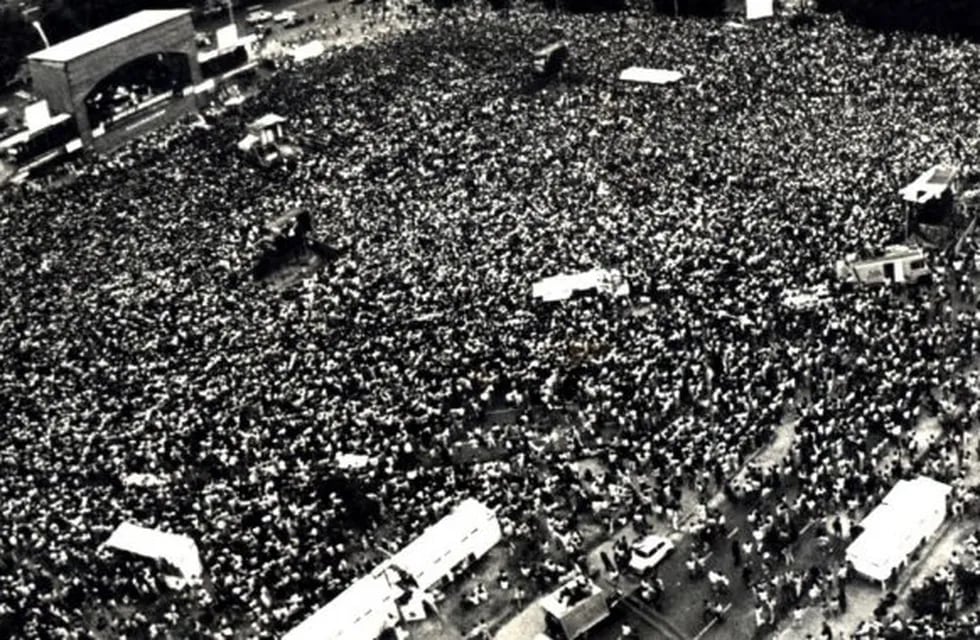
[[19, 39], [936, 16]]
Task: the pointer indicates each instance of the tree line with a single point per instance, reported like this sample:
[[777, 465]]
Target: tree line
[[958, 17]]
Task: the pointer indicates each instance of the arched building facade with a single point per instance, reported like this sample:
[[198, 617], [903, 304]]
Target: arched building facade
[[71, 74]]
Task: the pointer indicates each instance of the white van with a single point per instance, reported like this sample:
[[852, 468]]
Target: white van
[[899, 264]]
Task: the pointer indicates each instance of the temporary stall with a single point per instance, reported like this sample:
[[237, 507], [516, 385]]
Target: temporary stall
[[908, 516], [650, 76], [177, 550]]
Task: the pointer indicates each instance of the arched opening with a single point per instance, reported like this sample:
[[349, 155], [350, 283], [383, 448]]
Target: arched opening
[[137, 85]]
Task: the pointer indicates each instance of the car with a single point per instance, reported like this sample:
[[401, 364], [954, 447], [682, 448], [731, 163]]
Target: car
[[649, 551], [285, 17], [258, 17]]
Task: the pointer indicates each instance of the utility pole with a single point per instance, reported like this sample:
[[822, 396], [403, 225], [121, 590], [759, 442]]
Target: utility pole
[[37, 27]]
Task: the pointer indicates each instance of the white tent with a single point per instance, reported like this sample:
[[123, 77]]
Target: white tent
[[561, 287], [911, 513], [360, 612], [756, 9], [652, 76], [179, 550], [931, 184]]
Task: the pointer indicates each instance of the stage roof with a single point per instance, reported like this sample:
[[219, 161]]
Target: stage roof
[[106, 34]]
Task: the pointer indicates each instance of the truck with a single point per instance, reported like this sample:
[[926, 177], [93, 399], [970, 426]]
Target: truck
[[572, 610]]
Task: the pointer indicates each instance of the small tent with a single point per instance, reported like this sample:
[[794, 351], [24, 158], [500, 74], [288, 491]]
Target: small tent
[[179, 550]]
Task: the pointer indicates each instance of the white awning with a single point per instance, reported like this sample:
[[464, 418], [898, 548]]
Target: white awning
[[652, 76]]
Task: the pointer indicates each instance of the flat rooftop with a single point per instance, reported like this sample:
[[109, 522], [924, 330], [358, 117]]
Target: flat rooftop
[[107, 34]]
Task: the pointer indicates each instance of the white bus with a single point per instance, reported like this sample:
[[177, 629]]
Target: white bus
[[899, 264]]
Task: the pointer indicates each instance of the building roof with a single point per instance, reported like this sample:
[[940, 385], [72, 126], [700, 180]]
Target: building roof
[[98, 38]]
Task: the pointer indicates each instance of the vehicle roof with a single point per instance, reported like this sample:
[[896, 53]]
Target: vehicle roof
[[651, 541]]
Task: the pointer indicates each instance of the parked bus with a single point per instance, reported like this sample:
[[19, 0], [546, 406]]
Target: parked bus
[[899, 264]]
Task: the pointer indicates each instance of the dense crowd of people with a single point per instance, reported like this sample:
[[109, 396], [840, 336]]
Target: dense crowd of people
[[941, 606], [134, 340]]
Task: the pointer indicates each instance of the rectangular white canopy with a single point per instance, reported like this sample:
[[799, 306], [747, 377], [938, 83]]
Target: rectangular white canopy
[[179, 550], [911, 513], [756, 9], [652, 76]]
